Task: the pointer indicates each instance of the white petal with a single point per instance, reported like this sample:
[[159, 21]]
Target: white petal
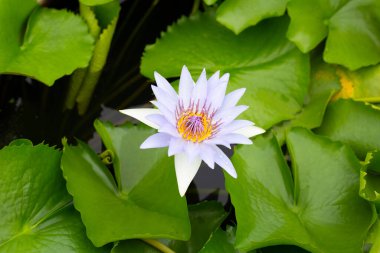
[[216, 97], [207, 154], [200, 91], [218, 141], [186, 85], [185, 171], [176, 146], [164, 98], [169, 129], [168, 114], [164, 84], [250, 131], [141, 115], [192, 150], [223, 161], [233, 138], [232, 98], [213, 81], [157, 119], [233, 126], [158, 140], [228, 115]]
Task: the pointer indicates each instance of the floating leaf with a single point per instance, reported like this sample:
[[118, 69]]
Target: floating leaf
[[320, 211], [324, 82], [260, 59], [144, 193], [351, 28], [53, 43], [353, 123], [237, 15], [36, 211]]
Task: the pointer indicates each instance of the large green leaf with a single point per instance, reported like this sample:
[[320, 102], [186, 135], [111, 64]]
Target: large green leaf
[[351, 27], [324, 82], [41, 43], [237, 15], [36, 211], [260, 59], [143, 202], [353, 123], [320, 211]]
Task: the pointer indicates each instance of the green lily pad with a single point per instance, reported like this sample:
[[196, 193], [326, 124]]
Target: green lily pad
[[324, 83], [319, 211], [42, 43], [353, 123], [143, 202], [36, 211], [237, 15], [351, 28], [370, 177], [261, 59]]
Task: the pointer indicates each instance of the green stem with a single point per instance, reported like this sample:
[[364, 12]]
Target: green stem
[[158, 245]]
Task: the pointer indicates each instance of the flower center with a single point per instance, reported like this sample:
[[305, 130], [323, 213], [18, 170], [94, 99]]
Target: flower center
[[194, 126]]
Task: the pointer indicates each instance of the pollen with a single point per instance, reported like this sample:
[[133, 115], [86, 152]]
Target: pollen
[[195, 126]]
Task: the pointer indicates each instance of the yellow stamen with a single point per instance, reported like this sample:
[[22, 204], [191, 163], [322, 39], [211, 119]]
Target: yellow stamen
[[194, 126]]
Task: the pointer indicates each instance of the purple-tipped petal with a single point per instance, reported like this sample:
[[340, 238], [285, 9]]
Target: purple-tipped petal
[[250, 131], [228, 115], [216, 96], [168, 114], [141, 115], [223, 161], [186, 85], [234, 126], [213, 81], [218, 141], [185, 171], [169, 129], [176, 146], [158, 140], [200, 91], [157, 119], [233, 138], [165, 85], [164, 98], [232, 98]]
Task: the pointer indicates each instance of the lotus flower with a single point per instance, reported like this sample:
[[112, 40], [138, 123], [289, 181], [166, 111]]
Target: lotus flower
[[195, 122]]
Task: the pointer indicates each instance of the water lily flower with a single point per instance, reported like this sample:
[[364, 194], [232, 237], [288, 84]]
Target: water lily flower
[[194, 122]]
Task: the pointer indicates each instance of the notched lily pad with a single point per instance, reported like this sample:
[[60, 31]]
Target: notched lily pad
[[37, 215], [42, 43], [317, 207], [141, 201]]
